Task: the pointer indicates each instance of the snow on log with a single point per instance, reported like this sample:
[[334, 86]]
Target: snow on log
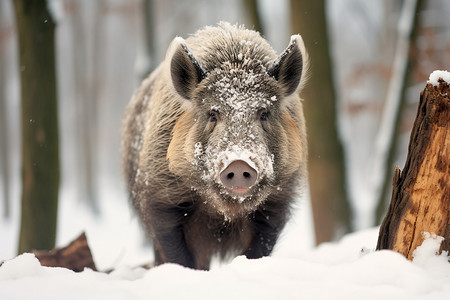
[[75, 256], [421, 192]]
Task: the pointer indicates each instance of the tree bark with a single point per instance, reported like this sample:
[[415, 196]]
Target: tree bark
[[329, 197], [40, 149], [421, 192]]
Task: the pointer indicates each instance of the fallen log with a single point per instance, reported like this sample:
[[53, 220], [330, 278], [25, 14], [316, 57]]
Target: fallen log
[[420, 199], [76, 256]]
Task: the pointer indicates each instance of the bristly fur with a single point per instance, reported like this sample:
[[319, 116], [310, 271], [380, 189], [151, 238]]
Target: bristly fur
[[173, 152]]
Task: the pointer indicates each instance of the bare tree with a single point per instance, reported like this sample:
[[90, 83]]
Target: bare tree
[[85, 31], [4, 148], [147, 59], [3, 133], [386, 140], [251, 8], [40, 148], [326, 161]]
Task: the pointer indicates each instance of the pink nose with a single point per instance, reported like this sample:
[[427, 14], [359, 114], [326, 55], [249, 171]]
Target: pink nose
[[238, 174]]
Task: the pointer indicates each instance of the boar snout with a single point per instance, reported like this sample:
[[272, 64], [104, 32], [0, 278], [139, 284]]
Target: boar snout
[[238, 176]]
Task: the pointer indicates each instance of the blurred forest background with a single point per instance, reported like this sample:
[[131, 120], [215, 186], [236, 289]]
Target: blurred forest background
[[369, 62]]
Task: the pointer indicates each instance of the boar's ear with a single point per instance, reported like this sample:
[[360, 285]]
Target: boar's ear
[[185, 71], [289, 67]]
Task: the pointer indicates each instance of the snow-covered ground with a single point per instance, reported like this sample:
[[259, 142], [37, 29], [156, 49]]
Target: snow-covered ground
[[349, 269]]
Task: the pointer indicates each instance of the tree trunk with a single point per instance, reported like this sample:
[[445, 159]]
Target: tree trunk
[[251, 9], [85, 32], [403, 65], [4, 135], [40, 152], [149, 29], [421, 192], [326, 161], [6, 32]]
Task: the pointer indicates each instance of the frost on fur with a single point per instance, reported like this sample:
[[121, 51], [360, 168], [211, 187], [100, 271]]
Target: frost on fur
[[215, 145]]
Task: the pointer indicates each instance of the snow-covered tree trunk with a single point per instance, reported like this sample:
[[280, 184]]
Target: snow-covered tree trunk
[[421, 192], [40, 140]]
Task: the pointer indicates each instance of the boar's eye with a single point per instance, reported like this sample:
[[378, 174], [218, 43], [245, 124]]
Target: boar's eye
[[263, 116], [213, 116]]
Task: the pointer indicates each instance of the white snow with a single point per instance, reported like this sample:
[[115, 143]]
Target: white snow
[[428, 256], [342, 270], [257, 158], [439, 74], [349, 269]]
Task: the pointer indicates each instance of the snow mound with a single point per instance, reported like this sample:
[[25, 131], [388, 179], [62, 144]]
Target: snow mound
[[427, 255], [439, 74], [331, 271]]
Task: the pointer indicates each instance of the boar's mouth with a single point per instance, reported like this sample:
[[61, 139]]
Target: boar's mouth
[[245, 197], [234, 203], [239, 201], [239, 191]]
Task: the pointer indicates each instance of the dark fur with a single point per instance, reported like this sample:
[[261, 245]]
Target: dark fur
[[189, 219]]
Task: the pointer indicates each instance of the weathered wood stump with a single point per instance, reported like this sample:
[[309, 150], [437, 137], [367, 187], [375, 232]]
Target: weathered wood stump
[[421, 192], [75, 256]]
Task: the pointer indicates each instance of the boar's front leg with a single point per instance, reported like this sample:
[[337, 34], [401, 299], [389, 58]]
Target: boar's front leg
[[168, 235], [268, 222]]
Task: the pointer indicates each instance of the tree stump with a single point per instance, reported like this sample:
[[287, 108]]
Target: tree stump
[[76, 256], [420, 199]]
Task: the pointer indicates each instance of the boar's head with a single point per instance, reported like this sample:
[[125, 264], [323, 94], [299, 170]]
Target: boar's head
[[241, 136]]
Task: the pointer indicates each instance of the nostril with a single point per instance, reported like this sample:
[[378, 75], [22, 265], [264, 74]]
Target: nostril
[[238, 174]]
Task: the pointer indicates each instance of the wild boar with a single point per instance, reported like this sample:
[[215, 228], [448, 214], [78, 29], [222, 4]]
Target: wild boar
[[214, 145]]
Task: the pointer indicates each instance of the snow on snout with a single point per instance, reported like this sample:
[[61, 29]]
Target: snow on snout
[[238, 155], [237, 94], [257, 158], [215, 160]]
